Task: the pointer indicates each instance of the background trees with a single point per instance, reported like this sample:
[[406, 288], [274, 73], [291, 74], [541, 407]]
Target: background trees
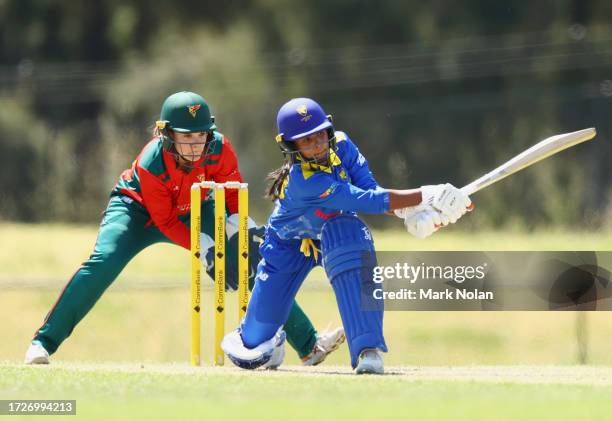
[[430, 91]]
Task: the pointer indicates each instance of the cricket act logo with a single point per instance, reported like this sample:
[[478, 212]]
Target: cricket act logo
[[303, 111], [329, 191], [193, 110]]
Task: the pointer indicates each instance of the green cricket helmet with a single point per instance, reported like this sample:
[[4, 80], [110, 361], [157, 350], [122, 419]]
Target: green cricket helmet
[[184, 112]]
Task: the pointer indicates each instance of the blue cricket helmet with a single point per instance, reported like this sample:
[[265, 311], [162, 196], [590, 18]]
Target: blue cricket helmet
[[299, 118]]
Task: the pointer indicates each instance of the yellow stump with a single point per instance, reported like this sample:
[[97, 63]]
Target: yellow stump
[[243, 251], [219, 272], [195, 274], [220, 254]]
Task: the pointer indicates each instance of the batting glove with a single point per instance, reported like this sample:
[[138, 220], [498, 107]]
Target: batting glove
[[423, 220], [447, 199]]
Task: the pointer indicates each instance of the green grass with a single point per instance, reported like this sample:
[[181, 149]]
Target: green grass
[[152, 325], [136, 343], [144, 316], [178, 392], [52, 252]]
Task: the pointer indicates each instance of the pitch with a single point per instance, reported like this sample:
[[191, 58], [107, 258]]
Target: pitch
[[177, 391]]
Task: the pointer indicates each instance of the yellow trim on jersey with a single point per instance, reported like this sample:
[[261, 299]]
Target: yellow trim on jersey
[[283, 187], [307, 247], [308, 168]]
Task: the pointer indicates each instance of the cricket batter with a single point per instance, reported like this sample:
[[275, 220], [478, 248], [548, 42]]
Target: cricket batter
[[323, 183], [151, 204]]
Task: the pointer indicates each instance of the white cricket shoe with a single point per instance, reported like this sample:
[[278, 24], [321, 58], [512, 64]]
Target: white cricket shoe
[[327, 342], [278, 355], [36, 354], [370, 362]]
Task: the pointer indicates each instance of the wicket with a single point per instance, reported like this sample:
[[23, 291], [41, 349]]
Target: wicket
[[196, 264]]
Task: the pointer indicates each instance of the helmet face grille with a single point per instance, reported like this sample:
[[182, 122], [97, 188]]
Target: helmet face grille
[[290, 149], [187, 160]]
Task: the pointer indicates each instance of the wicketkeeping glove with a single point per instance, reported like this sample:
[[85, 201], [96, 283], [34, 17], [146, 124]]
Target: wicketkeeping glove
[[231, 225], [207, 252], [207, 256], [256, 236]]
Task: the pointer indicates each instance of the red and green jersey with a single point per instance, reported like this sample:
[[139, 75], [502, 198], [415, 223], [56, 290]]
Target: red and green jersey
[[157, 183]]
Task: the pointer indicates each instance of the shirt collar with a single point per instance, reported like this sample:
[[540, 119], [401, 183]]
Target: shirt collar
[[309, 168]]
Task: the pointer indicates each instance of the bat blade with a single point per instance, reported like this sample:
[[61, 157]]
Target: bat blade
[[537, 152]]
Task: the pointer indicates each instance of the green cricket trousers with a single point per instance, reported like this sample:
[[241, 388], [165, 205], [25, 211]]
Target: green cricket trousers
[[126, 230]]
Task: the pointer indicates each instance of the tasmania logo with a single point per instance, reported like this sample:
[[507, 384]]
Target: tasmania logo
[[183, 208], [303, 111], [193, 110]]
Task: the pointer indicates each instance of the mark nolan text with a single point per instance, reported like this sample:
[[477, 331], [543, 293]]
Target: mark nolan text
[[430, 294]]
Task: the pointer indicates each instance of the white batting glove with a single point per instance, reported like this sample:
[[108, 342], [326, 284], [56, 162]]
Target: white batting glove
[[448, 199], [404, 213], [422, 220], [401, 213]]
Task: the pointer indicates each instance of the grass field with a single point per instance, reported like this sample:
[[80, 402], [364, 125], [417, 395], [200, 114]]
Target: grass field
[[128, 358], [46, 253], [161, 392], [144, 315]]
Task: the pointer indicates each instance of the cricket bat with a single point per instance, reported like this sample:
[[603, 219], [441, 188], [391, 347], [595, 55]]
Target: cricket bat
[[537, 152]]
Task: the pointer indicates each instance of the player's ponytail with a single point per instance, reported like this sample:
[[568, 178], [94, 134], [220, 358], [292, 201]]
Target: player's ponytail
[[278, 177]]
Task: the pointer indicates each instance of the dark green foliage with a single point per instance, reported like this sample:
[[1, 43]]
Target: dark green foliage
[[431, 91]]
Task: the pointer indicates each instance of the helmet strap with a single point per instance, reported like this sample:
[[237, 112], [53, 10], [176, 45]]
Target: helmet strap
[[167, 142]]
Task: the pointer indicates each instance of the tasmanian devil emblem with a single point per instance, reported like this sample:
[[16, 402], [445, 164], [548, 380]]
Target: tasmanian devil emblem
[[193, 110]]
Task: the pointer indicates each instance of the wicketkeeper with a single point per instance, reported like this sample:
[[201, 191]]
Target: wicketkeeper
[[151, 204]]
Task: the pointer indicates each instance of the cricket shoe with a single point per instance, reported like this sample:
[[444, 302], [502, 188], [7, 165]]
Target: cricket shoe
[[370, 362], [278, 355], [327, 342], [36, 354]]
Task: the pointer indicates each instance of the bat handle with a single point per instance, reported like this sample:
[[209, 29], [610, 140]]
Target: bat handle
[[470, 189]]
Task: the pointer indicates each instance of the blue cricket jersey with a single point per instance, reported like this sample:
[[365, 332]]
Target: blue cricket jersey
[[312, 194]]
